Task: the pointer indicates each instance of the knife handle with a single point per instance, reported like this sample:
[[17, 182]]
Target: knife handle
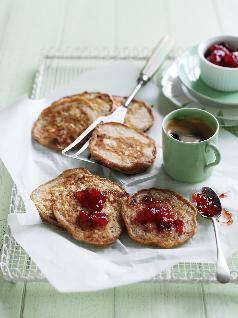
[[157, 58]]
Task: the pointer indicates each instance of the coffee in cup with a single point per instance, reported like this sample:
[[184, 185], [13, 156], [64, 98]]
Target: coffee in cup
[[189, 129], [189, 138]]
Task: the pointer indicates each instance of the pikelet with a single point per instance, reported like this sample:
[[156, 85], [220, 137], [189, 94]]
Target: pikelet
[[159, 217], [61, 201], [64, 120], [122, 148], [43, 196]]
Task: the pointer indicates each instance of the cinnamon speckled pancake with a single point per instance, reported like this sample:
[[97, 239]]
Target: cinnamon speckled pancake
[[57, 204], [148, 234], [61, 123], [66, 209], [122, 148], [43, 196], [64, 120]]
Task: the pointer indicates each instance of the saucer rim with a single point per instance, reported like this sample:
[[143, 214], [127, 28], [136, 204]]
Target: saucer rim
[[228, 122], [199, 94]]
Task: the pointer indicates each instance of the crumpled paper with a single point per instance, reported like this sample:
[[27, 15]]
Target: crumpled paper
[[69, 265]]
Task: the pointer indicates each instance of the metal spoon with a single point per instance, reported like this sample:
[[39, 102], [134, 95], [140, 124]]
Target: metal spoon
[[223, 273]]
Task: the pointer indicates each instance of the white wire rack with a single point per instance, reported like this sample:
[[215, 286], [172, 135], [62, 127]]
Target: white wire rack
[[57, 68]]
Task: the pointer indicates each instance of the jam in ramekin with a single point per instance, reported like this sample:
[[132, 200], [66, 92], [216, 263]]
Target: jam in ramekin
[[223, 55]]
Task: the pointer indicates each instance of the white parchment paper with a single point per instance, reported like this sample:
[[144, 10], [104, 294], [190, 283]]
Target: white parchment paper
[[69, 265]]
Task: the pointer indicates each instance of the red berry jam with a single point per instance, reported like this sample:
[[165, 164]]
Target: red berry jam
[[205, 204], [92, 201], [227, 215], [178, 224], [223, 195], [159, 213], [222, 54], [208, 205]]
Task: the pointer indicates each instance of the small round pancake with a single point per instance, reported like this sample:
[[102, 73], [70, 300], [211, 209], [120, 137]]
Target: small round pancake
[[139, 114], [61, 123], [122, 148], [181, 207], [43, 196], [66, 208]]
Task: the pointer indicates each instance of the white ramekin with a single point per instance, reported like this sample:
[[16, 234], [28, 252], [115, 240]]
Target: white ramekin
[[218, 77]]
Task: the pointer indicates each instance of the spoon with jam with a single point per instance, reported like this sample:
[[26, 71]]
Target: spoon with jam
[[209, 206]]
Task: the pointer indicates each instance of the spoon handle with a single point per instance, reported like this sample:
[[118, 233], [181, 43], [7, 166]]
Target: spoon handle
[[223, 273]]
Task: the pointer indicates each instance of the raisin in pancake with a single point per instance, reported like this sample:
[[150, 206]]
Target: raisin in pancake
[[43, 196], [122, 148], [61, 123], [139, 114], [148, 234], [66, 209]]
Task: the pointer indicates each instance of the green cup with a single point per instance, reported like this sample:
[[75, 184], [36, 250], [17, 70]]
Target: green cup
[[190, 161]]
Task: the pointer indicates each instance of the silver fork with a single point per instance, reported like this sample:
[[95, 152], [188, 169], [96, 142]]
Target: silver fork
[[157, 58]]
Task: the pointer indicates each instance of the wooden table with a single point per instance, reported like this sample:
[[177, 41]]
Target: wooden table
[[26, 26]]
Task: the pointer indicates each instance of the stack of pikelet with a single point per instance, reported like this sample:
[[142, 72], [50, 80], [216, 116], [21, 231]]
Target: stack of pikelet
[[57, 204], [123, 147]]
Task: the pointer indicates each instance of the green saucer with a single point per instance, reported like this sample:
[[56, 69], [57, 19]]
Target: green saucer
[[189, 74]]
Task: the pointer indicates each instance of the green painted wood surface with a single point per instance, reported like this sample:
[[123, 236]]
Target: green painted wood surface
[[27, 26], [11, 299], [159, 300], [41, 300]]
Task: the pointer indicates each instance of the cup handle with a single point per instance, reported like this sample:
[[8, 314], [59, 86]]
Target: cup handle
[[217, 154]]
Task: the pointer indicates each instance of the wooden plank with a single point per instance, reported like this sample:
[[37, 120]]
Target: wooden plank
[[43, 301], [159, 300], [10, 294], [89, 24], [30, 28], [141, 24], [10, 299], [24, 32], [192, 21], [5, 191], [48, 35], [5, 12], [221, 300], [227, 15], [37, 304]]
